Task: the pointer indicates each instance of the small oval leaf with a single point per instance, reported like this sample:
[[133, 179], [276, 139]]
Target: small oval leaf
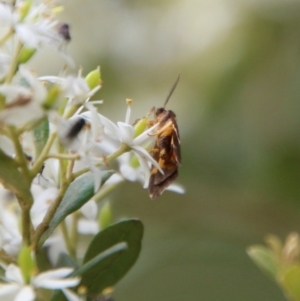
[[98, 277], [105, 259], [265, 260], [13, 180]]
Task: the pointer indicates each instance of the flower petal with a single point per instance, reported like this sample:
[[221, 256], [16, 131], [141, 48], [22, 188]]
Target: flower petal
[[128, 172], [145, 136], [71, 296], [58, 283], [97, 127], [176, 188], [145, 167], [142, 152], [9, 289], [90, 210], [54, 274], [25, 294], [13, 274], [86, 226], [127, 132], [6, 14], [111, 130]]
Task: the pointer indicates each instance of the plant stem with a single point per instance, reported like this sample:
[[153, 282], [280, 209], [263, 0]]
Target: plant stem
[[124, 148], [6, 36], [74, 232], [43, 226], [26, 223], [70, 169], [105, 191], [42, 157], [63, 156], [20, 155], [68, 241]]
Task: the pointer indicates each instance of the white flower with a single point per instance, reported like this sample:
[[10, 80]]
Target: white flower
[[16, 289], [4, 63], [87, 141], [23, 103], [87, 224], [10, 236], [6, 145], [75, 88], [130, 170], [133, 173], [43, 198], [38, 26], [124, 133]]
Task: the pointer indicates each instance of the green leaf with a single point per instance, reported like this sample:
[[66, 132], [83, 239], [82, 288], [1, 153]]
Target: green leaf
[[42, 260], [264, 259], [78, 193], [12, 179], [108, 272], [65, 260], [41, 134], [291, 282], [110, 254], [105, 258]]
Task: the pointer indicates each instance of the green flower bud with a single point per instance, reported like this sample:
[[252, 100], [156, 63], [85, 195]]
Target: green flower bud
[[26, 54], [93, 79], [26, 263], [24, 9], [105, 216], [51, 99], [134, 162], [140, 126]]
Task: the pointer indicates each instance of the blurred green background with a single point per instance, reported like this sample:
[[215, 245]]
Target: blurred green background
[[238, 109]]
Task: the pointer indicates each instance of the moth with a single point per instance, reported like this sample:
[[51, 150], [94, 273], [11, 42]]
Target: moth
[[166, 151]]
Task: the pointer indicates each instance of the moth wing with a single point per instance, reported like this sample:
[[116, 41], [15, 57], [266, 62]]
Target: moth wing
[[175, 145], [156, 190]]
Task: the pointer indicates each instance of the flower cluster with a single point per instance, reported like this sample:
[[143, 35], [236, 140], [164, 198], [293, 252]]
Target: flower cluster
[[55, 155]]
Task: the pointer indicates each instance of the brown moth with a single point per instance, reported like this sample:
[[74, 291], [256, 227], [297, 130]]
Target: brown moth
[[166, 151]]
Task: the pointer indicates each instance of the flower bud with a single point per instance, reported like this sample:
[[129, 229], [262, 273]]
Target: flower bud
[[24, 8], [105, 216], [140, 126], [93, 79], [26, 263], [134, 162], [26, 54], [52, 97]]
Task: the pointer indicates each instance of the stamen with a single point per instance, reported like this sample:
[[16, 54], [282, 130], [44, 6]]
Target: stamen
[[128, 112]]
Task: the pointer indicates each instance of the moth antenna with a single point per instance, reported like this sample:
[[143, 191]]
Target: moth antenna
[[172, 90]]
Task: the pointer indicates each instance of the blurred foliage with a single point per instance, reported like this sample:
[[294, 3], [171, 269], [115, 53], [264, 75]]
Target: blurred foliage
[[281, 262], [238, 108]]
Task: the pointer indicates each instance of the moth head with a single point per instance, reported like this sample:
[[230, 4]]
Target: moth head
[[159, 112]]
